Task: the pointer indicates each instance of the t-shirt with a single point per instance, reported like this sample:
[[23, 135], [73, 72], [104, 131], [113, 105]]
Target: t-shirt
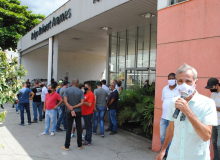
[[51, 100], [61, 93], [37, 94], [43, 94], [24, 95], [113, 95], [89, 97], [216, 97], [107, 90], [167, 96], [74, 96], [101, 95]]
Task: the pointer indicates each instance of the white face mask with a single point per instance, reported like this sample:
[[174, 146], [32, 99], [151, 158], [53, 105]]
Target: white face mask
[[145, 82], [172, 82], [185, 87], [83, 90]]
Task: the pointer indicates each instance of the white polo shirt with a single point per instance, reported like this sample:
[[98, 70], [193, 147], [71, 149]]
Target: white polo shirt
[[167, 95], [216, 97], [43, 94]]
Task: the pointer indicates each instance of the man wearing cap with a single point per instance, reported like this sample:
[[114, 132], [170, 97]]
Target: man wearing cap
[[213, 85]]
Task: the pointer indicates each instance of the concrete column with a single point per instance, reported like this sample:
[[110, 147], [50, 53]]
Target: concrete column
[[50, 55], [107, 60], [55, 57]]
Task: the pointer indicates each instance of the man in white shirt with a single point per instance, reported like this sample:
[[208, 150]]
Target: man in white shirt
[[169, 91], [105, 88], [213, 85], [43, 95]]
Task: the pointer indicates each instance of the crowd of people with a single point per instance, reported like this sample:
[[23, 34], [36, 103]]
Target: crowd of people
[[75, 107]]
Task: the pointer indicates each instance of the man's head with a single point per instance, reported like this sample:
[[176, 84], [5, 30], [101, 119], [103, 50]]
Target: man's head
[[88, 87], [42, 84], [119, 83], [115, 81], [99, 84], [27, 80], [213, 85], [172, 79], [75, 82], [65, 83], [61, 83], [24, 84], [66, 78], [103, 81], [36, 83], [112, 86], [146, 82], [51, 88]]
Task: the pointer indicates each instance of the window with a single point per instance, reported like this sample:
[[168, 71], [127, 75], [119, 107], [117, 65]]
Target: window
[[172, 2]]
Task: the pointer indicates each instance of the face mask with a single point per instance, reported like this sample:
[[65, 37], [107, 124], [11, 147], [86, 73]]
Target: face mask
[[49, 91], [86, 89], [172, 82], [213, 90], [83, 90], [185, 87], [145, 82]]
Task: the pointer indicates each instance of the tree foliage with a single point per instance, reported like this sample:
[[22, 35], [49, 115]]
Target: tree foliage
[[10, 83], [15, 21]]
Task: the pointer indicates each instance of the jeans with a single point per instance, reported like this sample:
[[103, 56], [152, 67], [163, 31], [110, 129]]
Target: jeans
[[216, 141], [27, 108], [112, 120], [50, 116], [37, 105], [163, 127], [70, 120], [100, 113], [61, 110], [88, 127], [17, 107]]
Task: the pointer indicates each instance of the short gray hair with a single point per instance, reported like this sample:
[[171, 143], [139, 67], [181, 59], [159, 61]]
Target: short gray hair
[[75, 81], [185, 67]]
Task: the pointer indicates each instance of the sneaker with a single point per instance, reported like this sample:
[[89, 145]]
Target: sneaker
[[40, 119], [87, 143], [59, 130], [33, 121], [64, 129], [80, 147], [107, 130], [21, 124], [29, 123], [83, 135], [44, 133], [113, 132], [102, 135], [17, 112], [52, 133], [72, 135], [94, 133], [64, 148]]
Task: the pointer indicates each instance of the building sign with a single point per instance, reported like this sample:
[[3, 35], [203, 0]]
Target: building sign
[[56, 21]]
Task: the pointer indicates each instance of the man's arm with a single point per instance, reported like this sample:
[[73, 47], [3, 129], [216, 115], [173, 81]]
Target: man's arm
[[168, 138], [80, 104], [203, 131], [44, 109], [109, 104], [95, 105], [32, 95], [67, 104], [60, 102], [218, 109]]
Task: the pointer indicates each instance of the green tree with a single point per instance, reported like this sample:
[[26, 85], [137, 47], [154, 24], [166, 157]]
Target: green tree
[[10, 81], [15, 21]]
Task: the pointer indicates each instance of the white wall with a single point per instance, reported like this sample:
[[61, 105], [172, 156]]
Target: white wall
[[162, 4], [82, 66], [76, 65]]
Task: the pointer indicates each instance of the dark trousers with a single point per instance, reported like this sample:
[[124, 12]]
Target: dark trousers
[[88, 127], [70, 119], [27, 108]]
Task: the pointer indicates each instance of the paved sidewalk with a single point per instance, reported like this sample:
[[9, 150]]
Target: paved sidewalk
[[25, 143]]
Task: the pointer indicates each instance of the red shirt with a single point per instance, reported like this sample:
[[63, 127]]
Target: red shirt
[[51, 100], [89, 97]]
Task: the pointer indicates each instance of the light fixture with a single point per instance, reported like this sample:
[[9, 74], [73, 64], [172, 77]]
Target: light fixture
[[148, 15], [105, 28]]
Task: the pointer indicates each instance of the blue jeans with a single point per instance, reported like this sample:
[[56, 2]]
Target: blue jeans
[[17, 107], [61, 110], [88, 127], [216, 141], [163, 127], [112, 120], [100, 113], [37, 105], [27, 108], [50, 116]]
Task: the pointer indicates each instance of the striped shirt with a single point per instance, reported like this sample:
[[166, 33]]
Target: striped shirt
[[216, 97]]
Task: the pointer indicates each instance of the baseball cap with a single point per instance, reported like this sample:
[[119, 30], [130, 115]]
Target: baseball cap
[[60, 81], [212, 82]]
